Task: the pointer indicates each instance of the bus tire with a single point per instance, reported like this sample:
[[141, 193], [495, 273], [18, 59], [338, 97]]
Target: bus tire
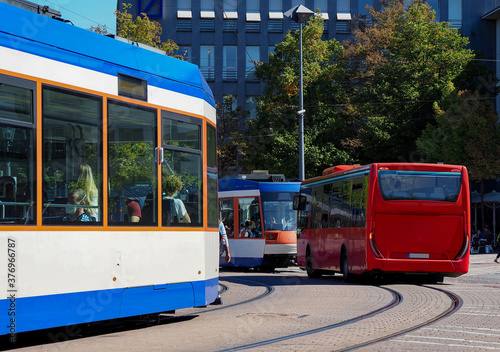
[[311, 272], [345, 267]]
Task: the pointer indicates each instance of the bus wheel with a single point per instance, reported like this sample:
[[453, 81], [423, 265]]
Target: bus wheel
[[311, 272], [345, 267]]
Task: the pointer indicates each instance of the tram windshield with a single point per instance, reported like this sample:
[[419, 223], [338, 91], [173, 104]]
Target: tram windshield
[[278, 211]]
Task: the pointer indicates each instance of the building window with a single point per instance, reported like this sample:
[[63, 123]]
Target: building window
[[207, 16], [455, 13], [229, 5], [275, 6], [275, 16], [362, 6], [343, 16], [252, 55], [230, 15], [252, 23], [184, 25], [275, 26], [251, 107], [207, 62], [184, 9], [322, 5], [207, 5], [153, 8], [434, 4], [185, 52], [297, 2], [230, 63], [207, 24], [230, 25]]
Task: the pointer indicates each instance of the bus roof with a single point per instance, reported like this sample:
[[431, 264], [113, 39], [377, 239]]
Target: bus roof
[[49, 38], [346, 170]]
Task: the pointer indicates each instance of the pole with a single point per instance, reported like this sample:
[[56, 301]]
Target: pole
[[301, 116]]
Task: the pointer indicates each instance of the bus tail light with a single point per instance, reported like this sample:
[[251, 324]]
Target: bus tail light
[[465, 247], [373, 245]]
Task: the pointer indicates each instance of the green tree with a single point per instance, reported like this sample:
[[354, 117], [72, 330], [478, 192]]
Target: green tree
[[141, 30], [232, 137], [467, 134], [274, 134], [399, 66]]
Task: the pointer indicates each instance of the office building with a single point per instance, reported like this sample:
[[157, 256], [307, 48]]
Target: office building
[[226, 37]]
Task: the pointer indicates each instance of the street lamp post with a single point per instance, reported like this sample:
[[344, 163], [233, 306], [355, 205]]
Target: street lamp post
[[300, 14]]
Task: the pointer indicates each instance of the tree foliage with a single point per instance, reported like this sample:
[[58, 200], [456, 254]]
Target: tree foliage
[[141, 30], [399, 66], [366, 100], [466, 133], [232, 137], [274, 142]]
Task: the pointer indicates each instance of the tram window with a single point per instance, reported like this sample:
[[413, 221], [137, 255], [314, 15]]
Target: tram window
[[181, 189], [180, 133], [132, 197], [212, 217], [183, 205], [15, 103], [72, 155], [17, 156], [226, 210]]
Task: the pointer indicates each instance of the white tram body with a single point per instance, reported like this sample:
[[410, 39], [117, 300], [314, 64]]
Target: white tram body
[[58, 272]]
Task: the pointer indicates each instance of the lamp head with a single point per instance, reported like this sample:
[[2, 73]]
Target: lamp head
[[299, 13]]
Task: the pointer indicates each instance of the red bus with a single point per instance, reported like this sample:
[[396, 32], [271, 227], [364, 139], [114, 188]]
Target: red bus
[[385, 219]]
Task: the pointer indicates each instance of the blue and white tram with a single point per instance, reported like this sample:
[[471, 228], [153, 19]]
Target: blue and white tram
[[108, 178], [260, 222]]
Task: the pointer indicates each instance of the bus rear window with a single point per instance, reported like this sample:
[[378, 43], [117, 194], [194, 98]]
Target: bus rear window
[[419, 185]]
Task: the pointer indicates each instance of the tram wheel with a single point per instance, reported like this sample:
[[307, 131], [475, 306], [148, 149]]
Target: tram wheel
[[311, 272]]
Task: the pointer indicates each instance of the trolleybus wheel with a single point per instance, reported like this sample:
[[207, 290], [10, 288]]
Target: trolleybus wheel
[[311, 272]]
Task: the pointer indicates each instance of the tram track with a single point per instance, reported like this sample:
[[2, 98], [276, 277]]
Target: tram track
[[455, 303]]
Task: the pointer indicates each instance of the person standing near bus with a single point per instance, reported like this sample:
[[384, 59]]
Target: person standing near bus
[[498, 255], [224, 243]]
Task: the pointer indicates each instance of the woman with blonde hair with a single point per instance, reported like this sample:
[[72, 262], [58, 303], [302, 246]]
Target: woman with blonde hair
[[86, 182]]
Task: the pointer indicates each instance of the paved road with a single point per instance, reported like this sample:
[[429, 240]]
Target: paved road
[[286, 311]]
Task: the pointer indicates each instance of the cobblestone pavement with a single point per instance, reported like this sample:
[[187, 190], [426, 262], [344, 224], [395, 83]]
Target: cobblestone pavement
[[298, 305], [474, 327]]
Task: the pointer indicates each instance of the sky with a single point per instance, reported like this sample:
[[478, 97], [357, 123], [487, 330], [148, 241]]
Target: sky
[[85, 13]]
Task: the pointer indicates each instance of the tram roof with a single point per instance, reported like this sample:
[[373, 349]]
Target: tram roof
[[53, 39], [233, 184]]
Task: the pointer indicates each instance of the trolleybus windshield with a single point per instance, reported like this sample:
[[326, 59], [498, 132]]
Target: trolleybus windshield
[[419, 185]]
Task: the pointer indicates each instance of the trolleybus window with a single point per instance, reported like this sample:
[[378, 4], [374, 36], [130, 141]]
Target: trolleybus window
[[17, 152], [72, 154], [183, 204], [132, 169], [419, 185]]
